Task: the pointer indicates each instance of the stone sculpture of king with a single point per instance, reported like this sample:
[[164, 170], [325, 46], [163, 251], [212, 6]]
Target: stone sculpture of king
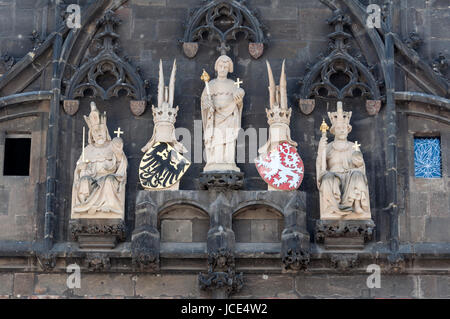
[[221, 106], [341, 172], [100, 175]]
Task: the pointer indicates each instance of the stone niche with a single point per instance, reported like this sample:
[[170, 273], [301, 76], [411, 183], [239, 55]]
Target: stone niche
[[183, 224], [258, 224]]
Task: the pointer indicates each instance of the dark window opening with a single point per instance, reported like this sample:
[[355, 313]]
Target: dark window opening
[[17, 157]]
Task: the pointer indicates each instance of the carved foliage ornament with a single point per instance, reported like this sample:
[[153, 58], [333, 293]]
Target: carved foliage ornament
[[339, 75], [221, 21], [106, 75]]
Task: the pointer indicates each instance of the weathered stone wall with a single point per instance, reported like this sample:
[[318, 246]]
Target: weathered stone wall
[[28, 285]]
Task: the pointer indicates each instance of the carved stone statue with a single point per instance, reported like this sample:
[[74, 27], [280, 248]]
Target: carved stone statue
[[221, 104], [163, 166], [101, 173], [341, 172], [279, 164]]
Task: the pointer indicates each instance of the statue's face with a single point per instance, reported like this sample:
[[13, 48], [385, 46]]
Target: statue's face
[[222, 69], [99, 135], [341, 131]]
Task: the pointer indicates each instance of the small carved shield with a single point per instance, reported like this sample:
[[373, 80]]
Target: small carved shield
[[137, 107], [161, 167], [373, 106], [281, 168], [190, 49], [255, 49], [71, 106], [307, 105]]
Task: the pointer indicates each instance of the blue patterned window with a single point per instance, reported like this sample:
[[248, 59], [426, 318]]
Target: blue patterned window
[[427, 157]]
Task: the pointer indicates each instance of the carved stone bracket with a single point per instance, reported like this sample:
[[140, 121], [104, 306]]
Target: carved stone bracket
[[339, 75], [97, 233], [97, 262], [222, 20], [221, 276], [47, 261], [344, 262], [87, 80], [344, 234], [221, 180]]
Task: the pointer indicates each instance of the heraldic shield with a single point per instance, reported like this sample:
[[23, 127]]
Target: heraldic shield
[[282, 168], [161, 167]]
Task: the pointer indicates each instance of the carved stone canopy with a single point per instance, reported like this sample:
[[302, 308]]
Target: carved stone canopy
[[105, 74], [339, 75], [222, 21]]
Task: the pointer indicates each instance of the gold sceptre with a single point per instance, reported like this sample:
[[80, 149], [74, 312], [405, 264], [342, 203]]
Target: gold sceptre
[[324, 128], [205, 78]]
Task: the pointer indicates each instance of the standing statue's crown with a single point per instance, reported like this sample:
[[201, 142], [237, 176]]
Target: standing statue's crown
[[279, 111], [340, 116], [165, 112]]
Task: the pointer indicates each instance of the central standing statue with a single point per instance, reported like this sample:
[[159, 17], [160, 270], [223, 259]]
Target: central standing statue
[[221, 103]]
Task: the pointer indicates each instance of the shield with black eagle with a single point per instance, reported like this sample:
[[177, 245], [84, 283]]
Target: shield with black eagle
[[162, 166]]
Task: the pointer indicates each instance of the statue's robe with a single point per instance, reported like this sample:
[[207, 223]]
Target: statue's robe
[[221, 127], [99, 189]]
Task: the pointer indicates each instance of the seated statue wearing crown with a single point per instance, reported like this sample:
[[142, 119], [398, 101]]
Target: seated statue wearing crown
[[221, 105], [101, 173], [341, 172]]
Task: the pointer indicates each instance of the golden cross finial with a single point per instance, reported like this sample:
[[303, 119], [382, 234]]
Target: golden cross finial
[[324, 127], [118, 132], [356, 146], [238, 83]]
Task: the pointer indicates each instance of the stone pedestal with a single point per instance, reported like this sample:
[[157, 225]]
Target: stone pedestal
[[97, 233], [230, 180], [344, 234]]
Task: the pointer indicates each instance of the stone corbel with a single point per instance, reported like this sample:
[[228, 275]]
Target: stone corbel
[[145, 240], [344, 262], [97, 233], [221, 278], [294, 243], [46, 260], [344, 234], [97, 262]]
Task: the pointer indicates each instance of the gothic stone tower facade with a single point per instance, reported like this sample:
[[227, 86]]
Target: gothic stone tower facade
[[225, 236]]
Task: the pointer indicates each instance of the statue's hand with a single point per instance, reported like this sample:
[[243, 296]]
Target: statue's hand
[[239, 95]]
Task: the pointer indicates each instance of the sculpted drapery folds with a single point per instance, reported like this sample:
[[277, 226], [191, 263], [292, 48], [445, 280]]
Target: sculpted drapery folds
[[101, 173], [341, 173], [221, 116]]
